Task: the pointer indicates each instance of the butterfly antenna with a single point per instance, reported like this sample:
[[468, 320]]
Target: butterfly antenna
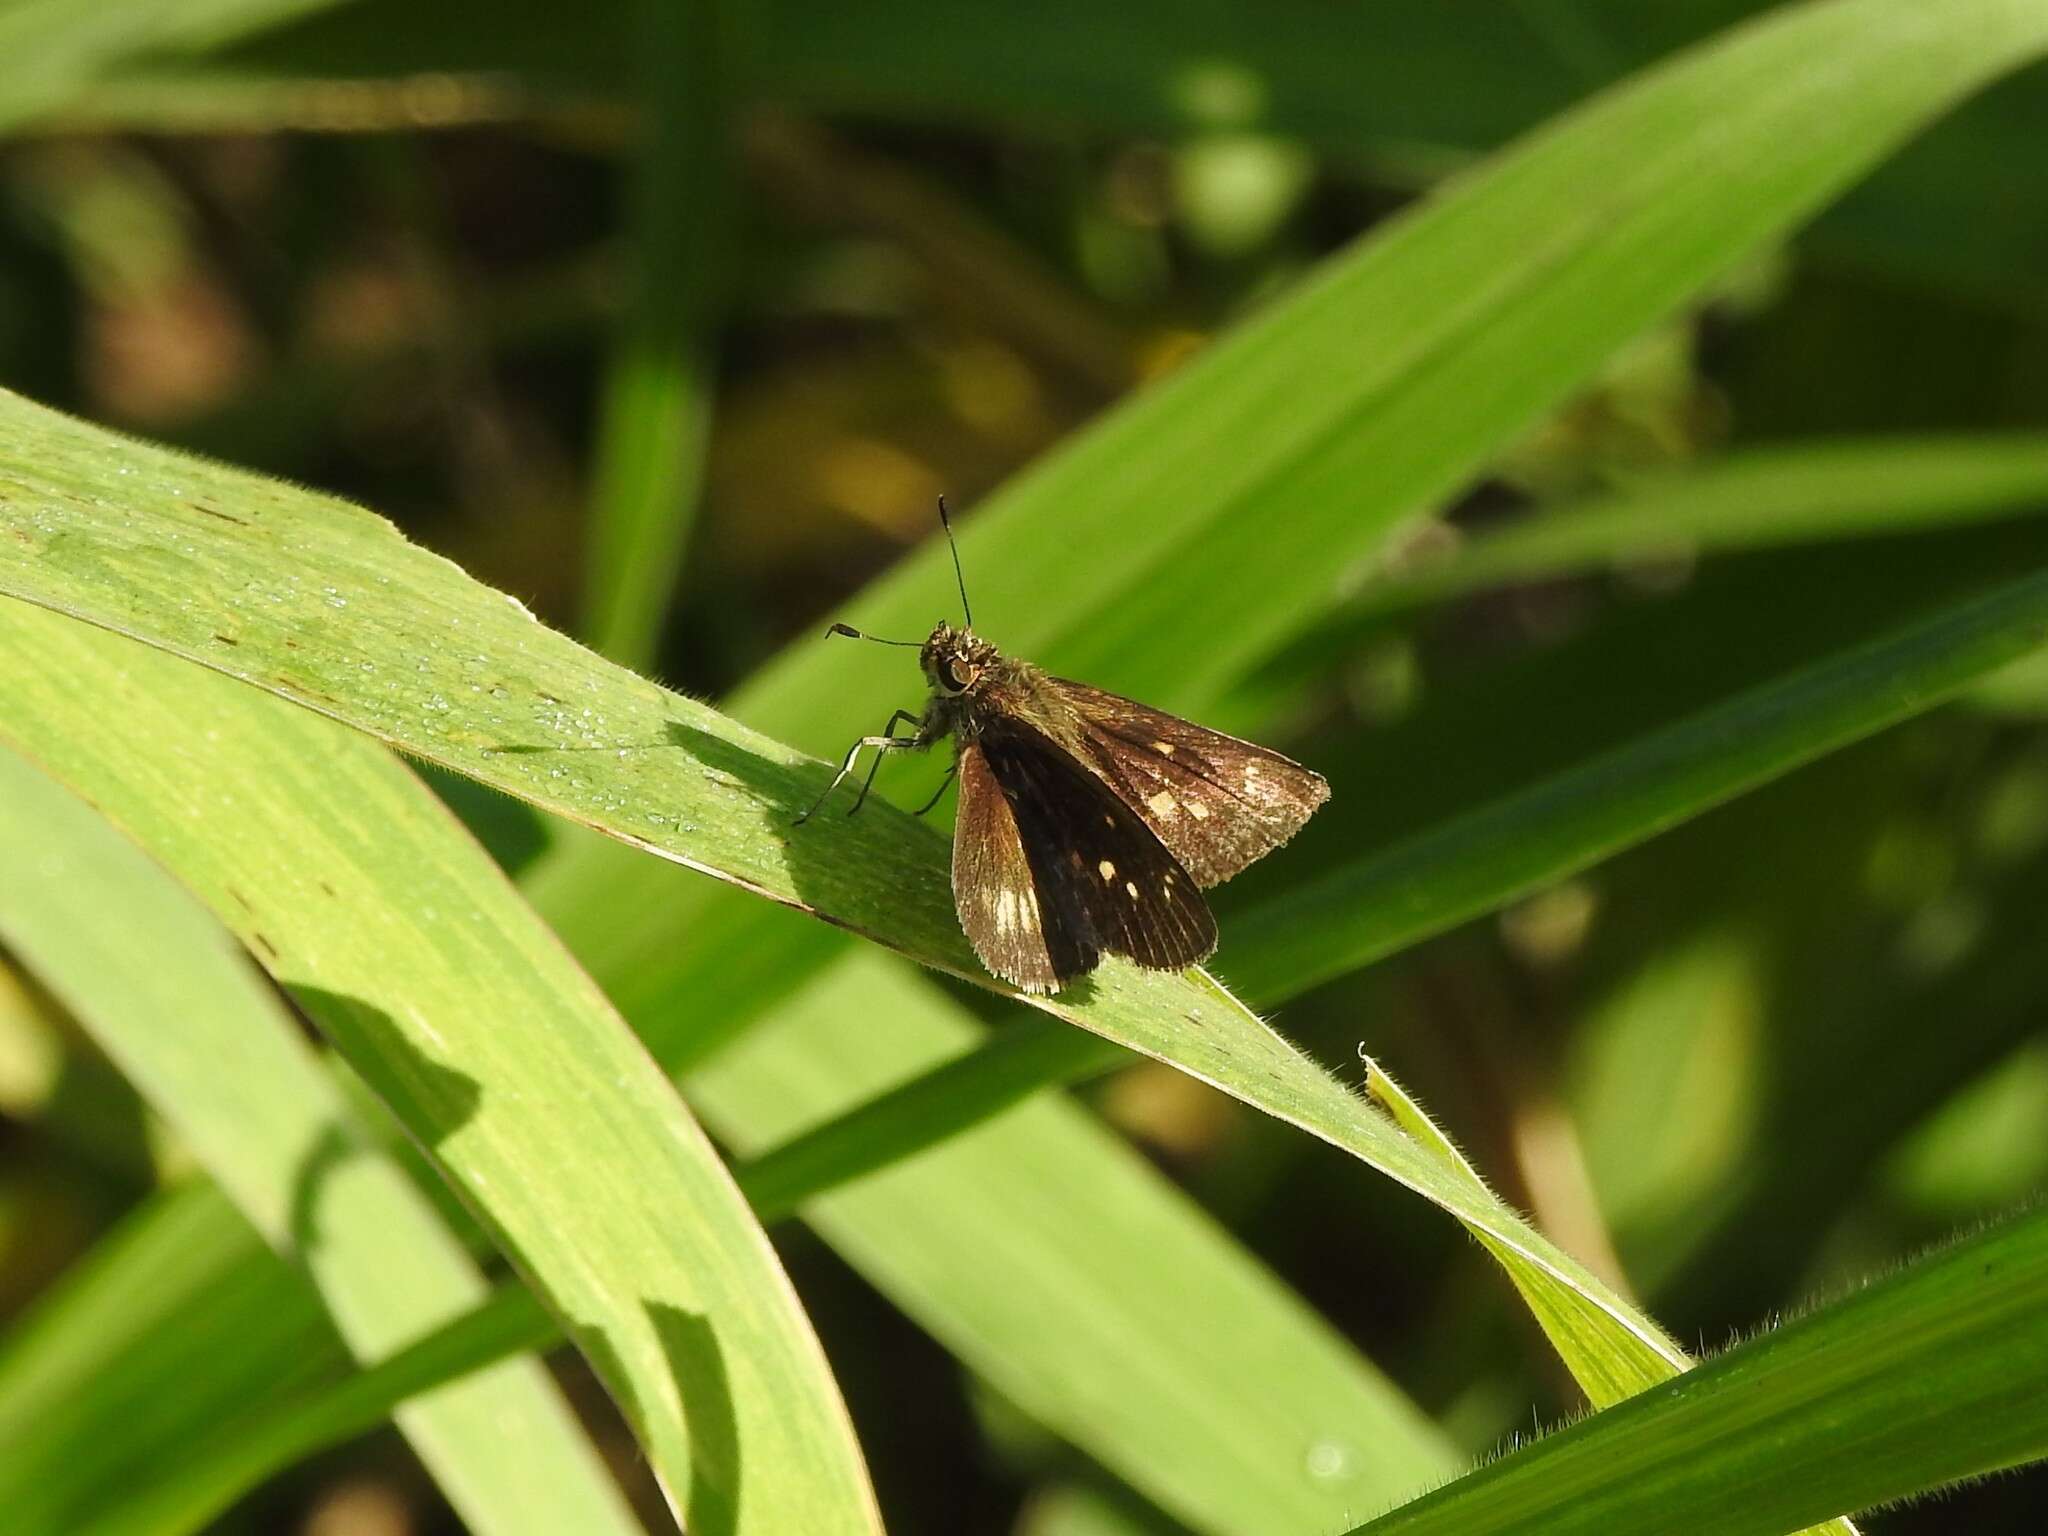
[[946, 522], [853, 634]]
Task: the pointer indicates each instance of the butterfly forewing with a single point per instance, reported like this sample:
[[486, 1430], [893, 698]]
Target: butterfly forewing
[[1216, 802], [996, 892], [1101, 879]]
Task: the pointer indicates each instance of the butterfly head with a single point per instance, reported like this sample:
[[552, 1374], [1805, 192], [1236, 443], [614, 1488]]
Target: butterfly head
[[955, 660]]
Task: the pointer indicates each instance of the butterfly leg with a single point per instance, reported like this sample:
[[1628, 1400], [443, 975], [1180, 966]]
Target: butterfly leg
[[886, 742], [939, 793], [889, 741]]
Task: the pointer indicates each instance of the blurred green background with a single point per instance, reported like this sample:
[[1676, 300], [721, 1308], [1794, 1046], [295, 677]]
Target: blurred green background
[[384, 249]]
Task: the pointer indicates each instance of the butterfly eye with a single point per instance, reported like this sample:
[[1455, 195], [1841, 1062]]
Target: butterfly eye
[[960, 673]]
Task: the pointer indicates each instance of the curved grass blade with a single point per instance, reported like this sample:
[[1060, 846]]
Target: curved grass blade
[[128, 952], [362, 896], [1922, 1379]]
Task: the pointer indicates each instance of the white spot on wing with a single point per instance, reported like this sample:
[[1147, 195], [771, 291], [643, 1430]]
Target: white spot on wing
[[1165, 748], [1164, 806], [1108, 870], [1198, 810], [1132, 887]]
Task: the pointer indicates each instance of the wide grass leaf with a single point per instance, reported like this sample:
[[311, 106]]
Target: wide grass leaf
[[129, 953], [363, 897]]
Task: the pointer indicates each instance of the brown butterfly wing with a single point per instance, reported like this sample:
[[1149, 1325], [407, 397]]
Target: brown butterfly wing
[[1098, 877], [1216, 802], [996, 894]]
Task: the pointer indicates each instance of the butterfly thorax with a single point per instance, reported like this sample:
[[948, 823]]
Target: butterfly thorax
[[968, 678]]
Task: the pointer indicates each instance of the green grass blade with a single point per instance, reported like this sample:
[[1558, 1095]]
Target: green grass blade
[[1926, 1377], [126, 950], [461, 1010], [655, 414]]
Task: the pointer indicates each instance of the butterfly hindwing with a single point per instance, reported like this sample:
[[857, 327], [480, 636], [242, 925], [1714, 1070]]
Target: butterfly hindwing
[[1099, 878], [1216, 802]]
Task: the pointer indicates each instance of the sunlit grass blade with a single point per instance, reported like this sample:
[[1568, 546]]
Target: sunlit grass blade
[[441, 989], [1924, 1378], [127, 950]]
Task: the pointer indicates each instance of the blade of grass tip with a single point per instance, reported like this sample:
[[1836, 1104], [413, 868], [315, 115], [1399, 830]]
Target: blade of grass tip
[[410, 949], [1924, 1378], [655, 416], [124, 947]]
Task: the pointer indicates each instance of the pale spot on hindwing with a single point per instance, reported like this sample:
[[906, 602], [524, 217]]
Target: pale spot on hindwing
[[1164, 748], [1108, 870], [1198, 810], [1015, 909], [1131, 886], [1163, 805]]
